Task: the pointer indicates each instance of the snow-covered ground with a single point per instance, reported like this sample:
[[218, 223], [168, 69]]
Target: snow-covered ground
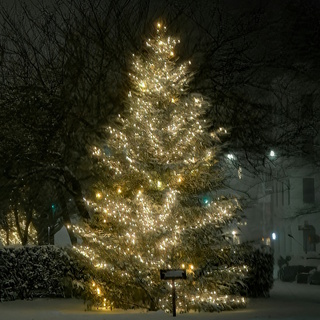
[[289, 301]]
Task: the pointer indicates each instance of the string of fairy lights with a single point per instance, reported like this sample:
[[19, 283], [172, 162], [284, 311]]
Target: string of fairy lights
[[11, 235], [162, 151]]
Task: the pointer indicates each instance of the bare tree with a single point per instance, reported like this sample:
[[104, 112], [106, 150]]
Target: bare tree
[[61, 73]]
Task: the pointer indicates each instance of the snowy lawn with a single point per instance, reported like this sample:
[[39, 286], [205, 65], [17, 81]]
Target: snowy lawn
[[288, 301]]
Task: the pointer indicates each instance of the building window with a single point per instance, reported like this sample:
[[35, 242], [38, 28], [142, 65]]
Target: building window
[[310, 238], [308, 190], [268, 242]]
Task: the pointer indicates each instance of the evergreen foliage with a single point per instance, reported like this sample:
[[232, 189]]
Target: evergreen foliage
[[41, 271], [158, 204]]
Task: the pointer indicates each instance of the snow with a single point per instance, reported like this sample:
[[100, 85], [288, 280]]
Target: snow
[[61, 238], [306, 260], [289, 301]]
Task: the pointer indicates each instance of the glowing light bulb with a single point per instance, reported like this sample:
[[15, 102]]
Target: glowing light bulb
[[142, 84], [119, 190], [98, 195]]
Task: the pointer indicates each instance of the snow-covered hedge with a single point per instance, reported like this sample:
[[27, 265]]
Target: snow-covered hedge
[[48, 271], [39, 271], [260, 262]]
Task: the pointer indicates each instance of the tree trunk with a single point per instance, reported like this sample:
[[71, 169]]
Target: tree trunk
[[16, 218]]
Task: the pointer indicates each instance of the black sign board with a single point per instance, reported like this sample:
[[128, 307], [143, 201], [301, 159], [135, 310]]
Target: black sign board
[[173, 274]]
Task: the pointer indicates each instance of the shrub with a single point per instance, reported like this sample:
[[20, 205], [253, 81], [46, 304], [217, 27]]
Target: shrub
[[40, 271], [259, 260]]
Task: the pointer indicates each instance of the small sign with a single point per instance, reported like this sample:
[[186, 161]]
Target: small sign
[[172, 274]]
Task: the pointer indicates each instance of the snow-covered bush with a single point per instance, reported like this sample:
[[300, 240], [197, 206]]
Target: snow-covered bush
[[259, 260], [40, 271]]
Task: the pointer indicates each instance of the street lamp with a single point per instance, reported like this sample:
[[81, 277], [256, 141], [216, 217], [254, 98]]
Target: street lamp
[[292, 237]]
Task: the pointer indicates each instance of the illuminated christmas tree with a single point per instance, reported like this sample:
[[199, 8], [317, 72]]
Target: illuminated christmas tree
[[155, 207]]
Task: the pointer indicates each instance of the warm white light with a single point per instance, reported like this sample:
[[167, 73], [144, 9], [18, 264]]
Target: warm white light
[[142, 85], [159, 153], [98, 195]]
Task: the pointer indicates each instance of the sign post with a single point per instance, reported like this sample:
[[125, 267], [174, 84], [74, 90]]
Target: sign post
[[173, 298], [173, 274]]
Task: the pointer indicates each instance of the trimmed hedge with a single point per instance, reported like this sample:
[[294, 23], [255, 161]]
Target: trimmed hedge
[[48, 271], [39, 271]]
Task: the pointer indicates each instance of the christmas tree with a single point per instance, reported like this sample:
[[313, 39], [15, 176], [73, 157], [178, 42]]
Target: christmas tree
[[155, 206]]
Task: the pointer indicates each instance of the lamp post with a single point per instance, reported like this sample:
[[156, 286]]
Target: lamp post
[[292, 237]]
